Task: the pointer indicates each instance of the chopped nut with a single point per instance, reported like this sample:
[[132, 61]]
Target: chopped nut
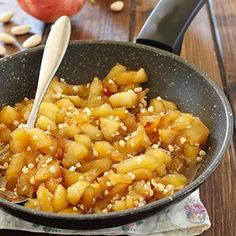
[[202, 153], [52, 169], [48, 160], [132, 175], [5, 165], [25, 170], [75, 88], [138, 89], [160, 187], [72, 168], [16, 123], [171, 148], [77, 165], [32, 180], [87, 111], [183, 140], [122, 143], [151, 109], [170, 188], [95, 153], [30, 166], [111, 81], [199, 159], [105, 210], [155, 146]]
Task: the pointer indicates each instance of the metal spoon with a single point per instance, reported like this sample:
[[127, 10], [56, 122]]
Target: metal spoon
[[53, 54]]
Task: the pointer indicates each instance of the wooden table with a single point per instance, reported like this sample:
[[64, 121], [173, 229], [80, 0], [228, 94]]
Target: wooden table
[[209, 43]]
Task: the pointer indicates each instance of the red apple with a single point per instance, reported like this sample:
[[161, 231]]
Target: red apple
[[50, 10]]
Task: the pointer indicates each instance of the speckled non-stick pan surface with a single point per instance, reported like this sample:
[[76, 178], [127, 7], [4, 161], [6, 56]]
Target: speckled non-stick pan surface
[[169, 77]]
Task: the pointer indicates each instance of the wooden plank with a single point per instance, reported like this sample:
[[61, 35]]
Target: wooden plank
[[198, 48], [223, 21], [99, 22], [20, 18]]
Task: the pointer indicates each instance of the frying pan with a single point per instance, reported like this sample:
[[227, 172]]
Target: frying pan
[[169, 77]]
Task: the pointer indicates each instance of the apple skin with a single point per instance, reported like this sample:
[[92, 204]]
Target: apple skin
[[50, 10]]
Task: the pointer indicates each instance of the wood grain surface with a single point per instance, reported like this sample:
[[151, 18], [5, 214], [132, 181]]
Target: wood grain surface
[[223, 16], [210, 44]]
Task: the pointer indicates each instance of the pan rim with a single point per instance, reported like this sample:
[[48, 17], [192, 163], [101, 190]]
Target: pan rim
[[187, 190]]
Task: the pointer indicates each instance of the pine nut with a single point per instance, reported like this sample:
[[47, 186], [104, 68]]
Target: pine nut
[[7, 38], [6, 16], [32, 41], [117, 6], [2, 50], [19, 30]]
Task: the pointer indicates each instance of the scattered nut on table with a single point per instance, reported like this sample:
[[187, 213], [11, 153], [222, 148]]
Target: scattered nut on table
[[117, 6], [19, 30], [92, 2], [7, 38], [6, 16], [32, 41], [2, 50]]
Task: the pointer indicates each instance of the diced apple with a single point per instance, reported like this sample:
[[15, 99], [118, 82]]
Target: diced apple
[[45, 123], [83, 139], [92, 131], [167, 136], [8, 115], [131, 77], [44, 199], [59, 200], [143, 161], [197, 132], [126, 99], [64, 103], [115, 70], [109, 127], [74, 153], [96, 90], [75, 191], [49, 110]]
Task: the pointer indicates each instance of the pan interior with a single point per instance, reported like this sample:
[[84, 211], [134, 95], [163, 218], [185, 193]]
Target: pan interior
[[169, 78]]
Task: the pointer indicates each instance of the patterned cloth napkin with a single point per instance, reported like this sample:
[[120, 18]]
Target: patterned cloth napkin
[[188, 217]]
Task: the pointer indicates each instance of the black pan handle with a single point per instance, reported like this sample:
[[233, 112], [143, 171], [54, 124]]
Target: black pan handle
[[168, 22]]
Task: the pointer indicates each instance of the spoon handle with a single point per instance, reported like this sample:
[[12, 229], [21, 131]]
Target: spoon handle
[[54, 51]]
